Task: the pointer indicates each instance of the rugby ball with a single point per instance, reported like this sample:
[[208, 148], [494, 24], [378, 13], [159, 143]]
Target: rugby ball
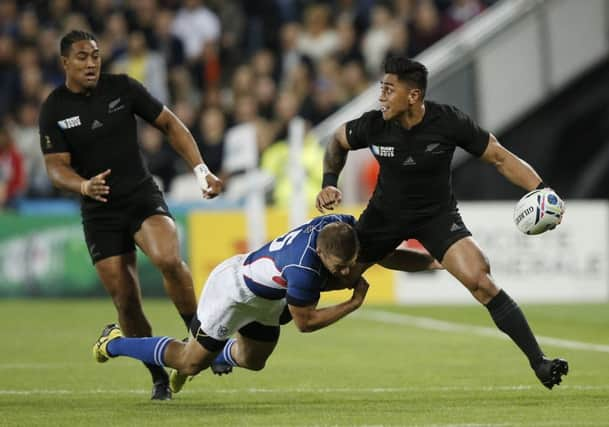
[[538, 211]]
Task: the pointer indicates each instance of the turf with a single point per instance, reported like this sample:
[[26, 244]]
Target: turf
[[357, 372]]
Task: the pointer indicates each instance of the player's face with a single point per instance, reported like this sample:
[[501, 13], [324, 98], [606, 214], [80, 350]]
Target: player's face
[[396, 96], [82, 65], [336, 266]]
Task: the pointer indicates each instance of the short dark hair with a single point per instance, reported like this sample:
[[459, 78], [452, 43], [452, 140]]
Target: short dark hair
[[338, 239], [72, 37], [408, 70]]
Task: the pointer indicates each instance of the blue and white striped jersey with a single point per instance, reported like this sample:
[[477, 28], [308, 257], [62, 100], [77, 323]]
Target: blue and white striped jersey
[[289, 267]]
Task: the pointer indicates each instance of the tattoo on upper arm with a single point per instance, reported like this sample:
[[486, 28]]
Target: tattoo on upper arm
[[334, 157]]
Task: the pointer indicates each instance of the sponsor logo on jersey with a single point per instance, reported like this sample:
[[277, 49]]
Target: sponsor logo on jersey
[[96, 124], [409, 161], [70, 122], [222, 331], [115, 105], [455, 227], [382, 151]]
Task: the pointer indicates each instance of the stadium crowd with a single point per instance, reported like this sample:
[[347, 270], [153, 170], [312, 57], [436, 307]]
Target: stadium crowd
[[235, 72]]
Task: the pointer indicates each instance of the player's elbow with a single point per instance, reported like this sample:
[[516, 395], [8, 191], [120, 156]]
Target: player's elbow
[[306, 329], [304, 326]]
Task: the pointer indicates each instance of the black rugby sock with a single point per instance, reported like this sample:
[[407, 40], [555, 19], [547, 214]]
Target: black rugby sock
[[158, 373], [187, 318], [510, 319]]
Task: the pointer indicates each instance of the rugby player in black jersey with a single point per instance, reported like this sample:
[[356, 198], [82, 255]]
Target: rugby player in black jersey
[[414, 140], [88, 134]]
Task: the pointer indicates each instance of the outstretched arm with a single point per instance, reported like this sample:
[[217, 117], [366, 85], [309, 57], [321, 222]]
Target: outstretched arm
[[63, 176], [334, 161], [311, 318], [182, 141], [512, 167]]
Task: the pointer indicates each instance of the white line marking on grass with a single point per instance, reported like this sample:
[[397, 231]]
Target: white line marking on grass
[[302, 390], [440, 325]]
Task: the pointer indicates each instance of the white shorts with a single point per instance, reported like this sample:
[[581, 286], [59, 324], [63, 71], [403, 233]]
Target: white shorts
[[227, 304]]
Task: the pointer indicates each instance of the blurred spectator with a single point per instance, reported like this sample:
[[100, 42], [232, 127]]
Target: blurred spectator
[[242, 84], [27, 142], [56, 12], [9, 75], [348, 48], [12, 173], [31, 83], [74, 20], [195, 25], [399, 44], [266, 96], [146, 66], [326, 93], [233, 22], [459, 12], [286, 109], [289, 55], [113, 43], [166, 43], [141, 17], [9, 18], [377, 39], [425, 29], [210, 138], [28, 27], [354, 79], [263, 19], [403, 10], [160, 157], [242, 148], [50, 64], [186, 113], [98, 13], [318, 39], [263, 64]]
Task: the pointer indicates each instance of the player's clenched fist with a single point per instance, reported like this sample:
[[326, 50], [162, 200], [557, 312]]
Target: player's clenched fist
[[214, 186], [328, 198], [360, 290]]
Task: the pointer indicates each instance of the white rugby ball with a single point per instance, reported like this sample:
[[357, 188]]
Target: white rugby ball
[[538, 211]]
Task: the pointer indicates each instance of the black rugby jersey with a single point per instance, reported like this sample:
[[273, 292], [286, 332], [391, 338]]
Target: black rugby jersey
[[415, 179], [99, 130]]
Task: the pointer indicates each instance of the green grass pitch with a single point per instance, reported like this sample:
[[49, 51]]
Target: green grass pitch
[[381, 366]]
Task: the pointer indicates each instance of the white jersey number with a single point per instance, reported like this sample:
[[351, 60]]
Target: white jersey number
[[281, 241]]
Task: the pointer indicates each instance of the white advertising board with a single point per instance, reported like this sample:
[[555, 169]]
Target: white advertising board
[[568, 264]]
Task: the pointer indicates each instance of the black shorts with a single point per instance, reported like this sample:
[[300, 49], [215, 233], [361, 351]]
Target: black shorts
[[254, 330], [109, 230], [380, 233]]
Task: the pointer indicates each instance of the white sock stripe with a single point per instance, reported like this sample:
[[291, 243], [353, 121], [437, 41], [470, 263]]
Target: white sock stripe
[[159, 349], [226, 351]]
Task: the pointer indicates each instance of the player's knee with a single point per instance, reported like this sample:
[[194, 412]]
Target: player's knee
[[252, 360], [477, 279], [254, 364], [167, 263]]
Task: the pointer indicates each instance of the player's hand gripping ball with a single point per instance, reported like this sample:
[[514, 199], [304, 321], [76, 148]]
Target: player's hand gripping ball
[[539, 211]]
